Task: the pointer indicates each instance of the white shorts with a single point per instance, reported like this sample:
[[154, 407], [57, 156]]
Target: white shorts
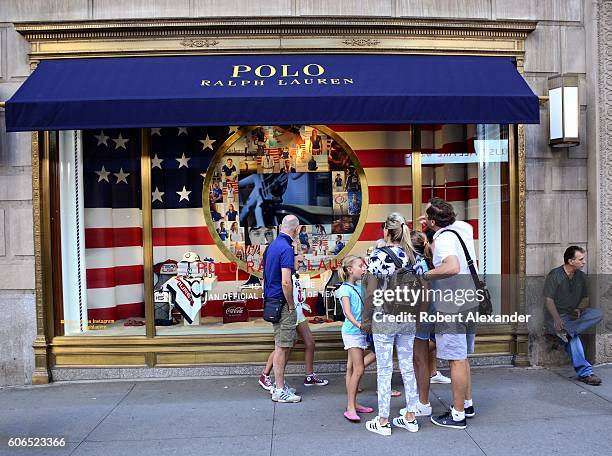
[[354, 341]]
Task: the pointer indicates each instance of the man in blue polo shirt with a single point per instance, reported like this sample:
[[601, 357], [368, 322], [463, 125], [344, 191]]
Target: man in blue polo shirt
[[279, 264]]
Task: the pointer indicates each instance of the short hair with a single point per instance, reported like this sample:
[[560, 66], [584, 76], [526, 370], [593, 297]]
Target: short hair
[[290, 222], [441, 212], [570, 253]]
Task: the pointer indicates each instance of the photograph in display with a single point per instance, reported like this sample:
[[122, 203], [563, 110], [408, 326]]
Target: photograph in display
[[273, 171]]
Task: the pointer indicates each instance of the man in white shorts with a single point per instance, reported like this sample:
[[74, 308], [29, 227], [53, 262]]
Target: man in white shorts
[[455, 340]]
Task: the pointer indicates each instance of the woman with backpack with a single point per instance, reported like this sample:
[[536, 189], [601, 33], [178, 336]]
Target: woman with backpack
[[385, 262]]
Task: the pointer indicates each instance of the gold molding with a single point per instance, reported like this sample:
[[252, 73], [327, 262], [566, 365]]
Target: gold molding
[[232, 26], [147, 229], [274, 35], [184, 351], [40, 209]]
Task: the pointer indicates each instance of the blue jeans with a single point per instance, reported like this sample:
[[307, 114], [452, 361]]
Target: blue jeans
[[589, 318]]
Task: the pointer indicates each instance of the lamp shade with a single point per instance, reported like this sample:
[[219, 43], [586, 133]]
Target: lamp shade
[[564, 110]]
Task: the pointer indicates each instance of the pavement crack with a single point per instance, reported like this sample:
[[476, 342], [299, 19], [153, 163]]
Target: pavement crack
[[583, 386], [272, 431], [104, 418]]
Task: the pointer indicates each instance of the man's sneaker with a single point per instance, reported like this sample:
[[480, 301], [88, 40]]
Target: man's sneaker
[[374, 426], [287, 386], [284, 395], [411, 426], [469, 411], [592, 380], [422, 410], [447, 420], [313, 380], [265, 381], [439, 378]]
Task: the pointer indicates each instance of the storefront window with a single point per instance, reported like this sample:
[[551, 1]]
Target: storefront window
[[232, 195], [101, 232], [468, 166], [218, 195]]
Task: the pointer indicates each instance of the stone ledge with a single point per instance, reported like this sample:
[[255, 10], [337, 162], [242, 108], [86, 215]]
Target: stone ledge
[[250, 370]]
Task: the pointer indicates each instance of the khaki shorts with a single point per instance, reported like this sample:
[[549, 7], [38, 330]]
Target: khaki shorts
[[285, 331]]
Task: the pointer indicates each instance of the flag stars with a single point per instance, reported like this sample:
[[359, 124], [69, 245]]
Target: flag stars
[[183, 161], [102, 139], [155, 131], [156, 162], [157, 195], [120, 142], [182, 131], [184, 194], [233, 129], [207, 143], [121, 176], [103, 175]]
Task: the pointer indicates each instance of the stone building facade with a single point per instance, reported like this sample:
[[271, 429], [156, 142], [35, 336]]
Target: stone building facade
[[568, 192]]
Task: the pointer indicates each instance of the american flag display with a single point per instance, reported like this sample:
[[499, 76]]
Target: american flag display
[[180, 158]]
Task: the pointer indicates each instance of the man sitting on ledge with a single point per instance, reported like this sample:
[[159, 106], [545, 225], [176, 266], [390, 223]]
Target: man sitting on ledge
[[567, 302]]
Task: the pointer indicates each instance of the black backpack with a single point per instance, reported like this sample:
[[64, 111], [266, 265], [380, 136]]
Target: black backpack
[[403, 278]]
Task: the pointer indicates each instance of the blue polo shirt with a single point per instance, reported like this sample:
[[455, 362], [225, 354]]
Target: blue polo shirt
[[279, 254]]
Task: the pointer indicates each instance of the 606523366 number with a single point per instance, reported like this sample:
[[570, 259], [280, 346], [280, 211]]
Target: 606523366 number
[[37, 442]]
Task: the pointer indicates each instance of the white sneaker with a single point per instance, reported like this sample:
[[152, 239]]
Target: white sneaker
[[291, 389], [374, 426], [285, 395], [439, 378], [422, 410], [411, 426]]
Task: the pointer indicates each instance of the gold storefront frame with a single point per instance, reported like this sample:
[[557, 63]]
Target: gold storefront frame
[[243, 131], [159, 37]]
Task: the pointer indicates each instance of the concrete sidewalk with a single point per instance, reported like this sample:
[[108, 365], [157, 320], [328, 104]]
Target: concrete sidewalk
[[519, 411]]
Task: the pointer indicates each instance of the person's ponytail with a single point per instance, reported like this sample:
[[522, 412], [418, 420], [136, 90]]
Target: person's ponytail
[[343, 271]]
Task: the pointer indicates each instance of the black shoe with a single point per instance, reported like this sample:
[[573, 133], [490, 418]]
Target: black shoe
[[592, 380], [447, 420], [469, 412], [252, 282]]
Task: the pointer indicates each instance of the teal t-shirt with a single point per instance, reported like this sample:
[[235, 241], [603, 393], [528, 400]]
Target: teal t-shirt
[[355, 295]]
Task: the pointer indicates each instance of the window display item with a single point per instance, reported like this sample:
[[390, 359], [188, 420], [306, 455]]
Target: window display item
[[187, 291], [235, 311]]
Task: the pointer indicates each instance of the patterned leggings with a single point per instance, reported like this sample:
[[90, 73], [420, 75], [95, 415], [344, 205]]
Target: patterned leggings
[[383, 343]]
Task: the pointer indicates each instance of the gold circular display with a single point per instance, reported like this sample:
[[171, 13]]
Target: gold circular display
[[262, 173]]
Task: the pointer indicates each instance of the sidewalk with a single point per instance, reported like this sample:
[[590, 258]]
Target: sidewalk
[[519, 411]]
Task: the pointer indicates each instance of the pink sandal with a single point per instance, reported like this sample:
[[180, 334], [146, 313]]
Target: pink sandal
[[353, 417], [364, 409]]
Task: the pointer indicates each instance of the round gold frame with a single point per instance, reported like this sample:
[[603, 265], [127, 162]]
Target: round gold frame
[[246, 130]]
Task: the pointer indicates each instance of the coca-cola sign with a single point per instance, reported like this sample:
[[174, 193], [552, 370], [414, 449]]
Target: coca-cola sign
[[235, 311]]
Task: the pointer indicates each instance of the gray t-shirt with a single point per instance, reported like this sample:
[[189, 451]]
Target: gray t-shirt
[[566, 293]]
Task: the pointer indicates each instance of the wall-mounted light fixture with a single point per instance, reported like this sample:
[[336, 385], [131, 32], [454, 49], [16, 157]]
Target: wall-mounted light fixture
[[564, 110]]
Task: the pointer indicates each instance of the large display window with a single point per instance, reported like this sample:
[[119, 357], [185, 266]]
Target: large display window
[[218, 195]]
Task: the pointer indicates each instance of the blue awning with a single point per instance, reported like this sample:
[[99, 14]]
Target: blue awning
[[270, 90]]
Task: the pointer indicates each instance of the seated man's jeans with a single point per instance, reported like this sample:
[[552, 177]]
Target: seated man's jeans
[[589, 318]]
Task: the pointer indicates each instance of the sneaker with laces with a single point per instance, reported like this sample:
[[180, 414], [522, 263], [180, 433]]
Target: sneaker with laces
[[374, 426], [313, 380], [422, 410], [411, 426], [289, 387], [439, 378], [284, 395], [265, 381], [447, 420], [469, 411]]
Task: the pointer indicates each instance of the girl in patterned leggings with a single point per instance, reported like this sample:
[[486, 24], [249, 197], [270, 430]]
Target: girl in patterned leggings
[[389, 334]]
